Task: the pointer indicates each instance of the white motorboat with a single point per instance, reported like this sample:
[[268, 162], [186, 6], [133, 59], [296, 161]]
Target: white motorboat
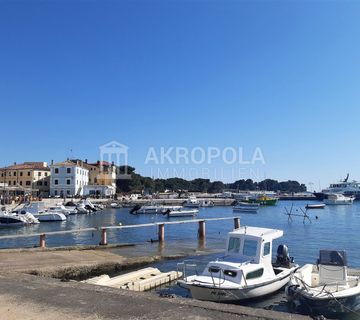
[[315, 206], [247, 207], [246, 271], [59, 208], [192, 202], [337, 198], [325, 288], [8, 219], [37, 209], [182, 212], [207, 203]]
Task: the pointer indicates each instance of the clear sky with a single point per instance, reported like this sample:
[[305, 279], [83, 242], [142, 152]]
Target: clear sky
[[280, 76]]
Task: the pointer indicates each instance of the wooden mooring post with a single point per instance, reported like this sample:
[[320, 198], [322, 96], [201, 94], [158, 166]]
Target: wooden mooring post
[[236, 223], [201, 230], [161, 232], [103, 237], [42, 242]]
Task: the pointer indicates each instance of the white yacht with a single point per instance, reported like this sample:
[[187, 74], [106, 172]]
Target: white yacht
[[345, 187], [192, 202], [246, 271], [337, 198]]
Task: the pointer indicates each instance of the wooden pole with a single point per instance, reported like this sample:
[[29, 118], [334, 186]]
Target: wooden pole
[[201, 230], [42, 242], [103, 237], [236, 223], [161, 232]]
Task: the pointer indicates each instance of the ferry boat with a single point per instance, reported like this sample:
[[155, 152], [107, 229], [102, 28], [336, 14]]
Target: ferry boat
[[345, 187], [246, 271]]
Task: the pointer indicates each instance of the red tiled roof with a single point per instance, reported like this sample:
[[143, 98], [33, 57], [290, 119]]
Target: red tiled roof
[[28, 166]]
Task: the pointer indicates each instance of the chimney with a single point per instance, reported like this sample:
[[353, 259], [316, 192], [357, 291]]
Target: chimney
[[85, 160], [98, 162], [14, 163], [52, 162]]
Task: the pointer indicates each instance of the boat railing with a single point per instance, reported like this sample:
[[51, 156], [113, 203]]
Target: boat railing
[[184, 267], [336, 284]]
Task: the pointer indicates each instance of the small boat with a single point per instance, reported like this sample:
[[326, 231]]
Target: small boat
[[315, 206], [246, 271], [59, 208], [247, 207], [266, 201], [207, 203], [325, 288], [182, 213], [338, 199], [192, 202], [115, 205]]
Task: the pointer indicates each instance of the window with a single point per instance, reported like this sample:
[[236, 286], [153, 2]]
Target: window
[[14, 173], [21, 173], [14, 182], [214, 269], [230, 273], [28, 183], [250, 247], [45, 183], [234, 245], [56, 181], [29, 173], [56, 170], [39, 174], [46, 174], [68, 181], [255, 274], [55, 192], [21, 183], [266, 249], [68, 170], [68, 192]]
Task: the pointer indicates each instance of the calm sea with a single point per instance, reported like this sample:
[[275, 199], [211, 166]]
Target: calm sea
[[337, 227]]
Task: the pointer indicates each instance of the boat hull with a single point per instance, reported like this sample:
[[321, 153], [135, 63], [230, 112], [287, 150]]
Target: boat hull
[[318, 306], [232, 295]]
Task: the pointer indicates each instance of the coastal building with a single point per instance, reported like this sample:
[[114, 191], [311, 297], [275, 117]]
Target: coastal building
[[68, 178], [31, 177], [102, 179], [102, 173]]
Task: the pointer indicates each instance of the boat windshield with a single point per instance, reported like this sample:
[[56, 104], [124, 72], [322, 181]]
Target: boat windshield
[[234, 245]]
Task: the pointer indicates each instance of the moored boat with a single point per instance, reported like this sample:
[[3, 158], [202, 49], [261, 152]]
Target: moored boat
[[246, 271], [247, 207], [315, 206], [325, 288], [192, 202], [182, 212], [338, 199]]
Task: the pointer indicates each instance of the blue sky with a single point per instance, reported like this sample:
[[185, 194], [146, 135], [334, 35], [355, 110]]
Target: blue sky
[[281, 76]]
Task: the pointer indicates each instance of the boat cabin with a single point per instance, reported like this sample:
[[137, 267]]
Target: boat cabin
[[248, 256]]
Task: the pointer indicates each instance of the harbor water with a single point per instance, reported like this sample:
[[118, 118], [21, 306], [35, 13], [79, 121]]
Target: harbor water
[[336, 227]]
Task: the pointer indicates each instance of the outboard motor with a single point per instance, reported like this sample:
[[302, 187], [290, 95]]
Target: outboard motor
[[282, 258]]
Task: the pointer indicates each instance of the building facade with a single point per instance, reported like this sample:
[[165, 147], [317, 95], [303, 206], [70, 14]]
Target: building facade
[[33, 176], [102, 173], [68, 179]]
